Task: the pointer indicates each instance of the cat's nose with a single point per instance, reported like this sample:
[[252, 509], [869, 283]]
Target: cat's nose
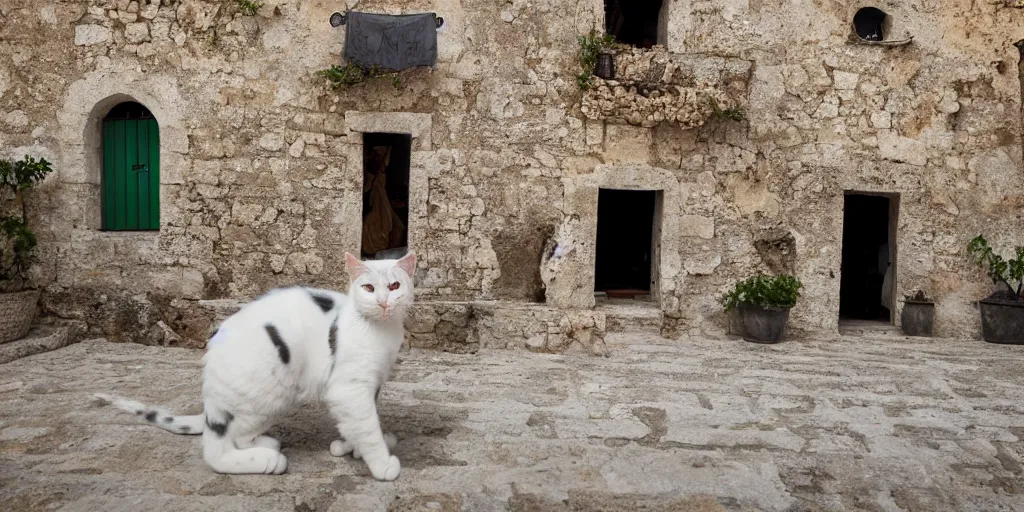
[[383, 304]]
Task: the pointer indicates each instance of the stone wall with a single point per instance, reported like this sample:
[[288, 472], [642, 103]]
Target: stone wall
[[259, 183]]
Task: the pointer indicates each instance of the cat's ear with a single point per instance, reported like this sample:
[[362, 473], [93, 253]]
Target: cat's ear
[[354, 266], [408, 264]]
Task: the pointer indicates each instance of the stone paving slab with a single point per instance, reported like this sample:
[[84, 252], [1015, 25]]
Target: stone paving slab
[[701, 425]]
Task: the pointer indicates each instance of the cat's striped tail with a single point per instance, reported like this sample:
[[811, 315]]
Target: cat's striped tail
[[189, 425]]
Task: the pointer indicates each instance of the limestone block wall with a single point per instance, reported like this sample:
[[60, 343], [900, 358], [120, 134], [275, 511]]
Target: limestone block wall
[[260, 174]]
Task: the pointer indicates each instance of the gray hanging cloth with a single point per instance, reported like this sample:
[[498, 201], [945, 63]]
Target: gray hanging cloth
[[393, 42]]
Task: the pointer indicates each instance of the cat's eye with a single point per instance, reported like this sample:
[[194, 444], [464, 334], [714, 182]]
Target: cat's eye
[[394, 286], [368, 287]]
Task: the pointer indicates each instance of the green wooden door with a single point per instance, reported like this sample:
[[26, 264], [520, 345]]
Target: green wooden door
[[131, 175]]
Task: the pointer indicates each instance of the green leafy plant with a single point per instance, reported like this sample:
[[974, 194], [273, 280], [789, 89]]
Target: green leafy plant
[[248, 7], [765, 291], [17, 241], [351, 74], [735, 114], [591, 45], [1008, 272]]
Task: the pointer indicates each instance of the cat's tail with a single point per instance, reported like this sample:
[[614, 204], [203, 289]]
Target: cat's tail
[[189, 425]]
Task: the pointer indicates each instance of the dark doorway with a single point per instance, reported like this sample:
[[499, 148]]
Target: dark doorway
[[633, 22], [625, 242], [865, 289], [386, 160]]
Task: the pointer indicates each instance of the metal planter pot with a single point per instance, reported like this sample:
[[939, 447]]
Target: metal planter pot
[[762, 324], [1002, 321], [918, 318]]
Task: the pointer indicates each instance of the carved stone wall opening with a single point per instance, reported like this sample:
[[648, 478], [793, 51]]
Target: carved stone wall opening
[[386, 161], [868, 282], [635, 22], [625, 264], [871, 24]]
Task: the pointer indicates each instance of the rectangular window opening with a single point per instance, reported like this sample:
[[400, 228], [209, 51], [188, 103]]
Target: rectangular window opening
[[868, 282], [638, 23], [386, 161], [627, 251]]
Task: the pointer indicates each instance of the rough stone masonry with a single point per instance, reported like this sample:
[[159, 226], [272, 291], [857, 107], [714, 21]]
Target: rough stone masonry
[[261, 172]]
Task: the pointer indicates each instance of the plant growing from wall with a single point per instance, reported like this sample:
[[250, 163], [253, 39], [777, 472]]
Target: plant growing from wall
[[764, 291], [591, 45], [248, 7], [17, 241], [735, 114], [352, 74], [1010, 272]]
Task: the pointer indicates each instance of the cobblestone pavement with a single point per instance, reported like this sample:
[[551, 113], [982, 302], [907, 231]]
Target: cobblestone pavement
[[857, 424]]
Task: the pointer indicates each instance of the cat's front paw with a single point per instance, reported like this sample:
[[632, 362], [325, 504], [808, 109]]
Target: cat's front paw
[[389, 471], [341, 448]]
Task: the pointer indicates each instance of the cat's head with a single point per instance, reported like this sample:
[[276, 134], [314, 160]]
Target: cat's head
[[381, 289]]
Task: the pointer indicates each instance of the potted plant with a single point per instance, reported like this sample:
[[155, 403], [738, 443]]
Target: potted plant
[[761, 305], [1002, 312], [17, 243], [596, 58], [918, 315]]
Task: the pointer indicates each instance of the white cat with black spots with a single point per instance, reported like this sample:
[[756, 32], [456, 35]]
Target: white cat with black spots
[[296, 345]]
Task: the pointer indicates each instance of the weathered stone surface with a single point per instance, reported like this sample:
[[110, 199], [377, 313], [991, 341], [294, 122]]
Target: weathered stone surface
[[469, 326], [89, 35], [698, 226], [40, 339], [701, 425], [261, 161]]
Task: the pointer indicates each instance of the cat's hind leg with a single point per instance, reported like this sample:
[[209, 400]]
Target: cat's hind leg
[[235, 445]]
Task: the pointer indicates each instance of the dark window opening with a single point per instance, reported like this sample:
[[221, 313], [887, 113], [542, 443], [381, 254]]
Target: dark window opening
[[868, 265], [633, 22], [128, 110], [625, 242], [869, 23], [386, 160], [130, 182]]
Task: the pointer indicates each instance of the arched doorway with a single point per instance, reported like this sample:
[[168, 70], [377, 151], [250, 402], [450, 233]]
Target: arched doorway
[[130, 181]]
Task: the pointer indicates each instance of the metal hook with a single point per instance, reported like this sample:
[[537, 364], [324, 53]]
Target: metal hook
[[439, 21], [338, 19]]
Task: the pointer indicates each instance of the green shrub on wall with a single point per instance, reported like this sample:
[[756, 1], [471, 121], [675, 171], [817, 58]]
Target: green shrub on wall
[[17, 241], [1010, 272]]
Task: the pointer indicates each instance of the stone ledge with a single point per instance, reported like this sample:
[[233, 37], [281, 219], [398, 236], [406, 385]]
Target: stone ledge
[[466, 326], [654, 86], [42, 338]]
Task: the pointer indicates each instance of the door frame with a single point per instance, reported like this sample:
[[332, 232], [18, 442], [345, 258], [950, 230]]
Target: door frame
[[892, 238]]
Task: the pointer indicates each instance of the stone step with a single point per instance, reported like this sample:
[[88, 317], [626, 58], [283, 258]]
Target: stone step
[[42, 338], [222, 308], [868, 328], [632, 316]]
